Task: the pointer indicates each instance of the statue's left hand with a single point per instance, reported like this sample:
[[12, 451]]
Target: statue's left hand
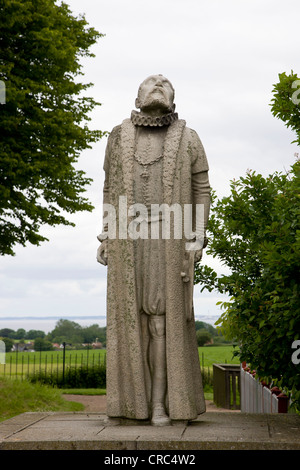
[[198, 256], [102, 253]]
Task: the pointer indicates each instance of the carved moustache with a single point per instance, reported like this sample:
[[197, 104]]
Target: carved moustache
[[156, 89]]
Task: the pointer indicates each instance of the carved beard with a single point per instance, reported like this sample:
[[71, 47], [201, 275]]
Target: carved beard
[[156, 99]]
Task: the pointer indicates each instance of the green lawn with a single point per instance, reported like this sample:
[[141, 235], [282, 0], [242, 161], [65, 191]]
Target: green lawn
[[56, 357], [18, 397], [23, 363], [20, 364], [210, 355]]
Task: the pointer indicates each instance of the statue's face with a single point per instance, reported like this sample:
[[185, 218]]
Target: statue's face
[[156, 95]]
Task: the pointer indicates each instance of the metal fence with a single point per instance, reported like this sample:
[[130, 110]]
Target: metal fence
[[54, 364], [23, 364], [258, 397]]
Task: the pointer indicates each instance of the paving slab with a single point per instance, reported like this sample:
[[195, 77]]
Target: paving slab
[[93, 431]]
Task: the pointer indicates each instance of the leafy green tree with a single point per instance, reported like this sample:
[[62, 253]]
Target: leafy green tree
[[285, 104], [41, 344], [43, 122], [92, 332], [8, 343], [255, 233], [20, 333], [203, 336], [66, 330], [32, 334], [203, 325], [7, 333], [73, 333]]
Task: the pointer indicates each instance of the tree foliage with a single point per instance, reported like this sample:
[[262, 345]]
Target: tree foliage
[[72, 333], [43, 122], [41, 344], [8, 343], [65, 331], [21, 334], [285, 104], [255, 233], [203, 336]]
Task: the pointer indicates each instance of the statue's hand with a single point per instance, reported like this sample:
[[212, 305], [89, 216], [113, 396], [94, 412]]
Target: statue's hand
[[102, 253], [198, 256]]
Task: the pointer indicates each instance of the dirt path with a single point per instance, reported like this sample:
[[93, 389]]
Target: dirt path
[[97, 403], [92, 403]]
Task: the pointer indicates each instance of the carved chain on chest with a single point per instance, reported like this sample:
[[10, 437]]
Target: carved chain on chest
[[148, 153]]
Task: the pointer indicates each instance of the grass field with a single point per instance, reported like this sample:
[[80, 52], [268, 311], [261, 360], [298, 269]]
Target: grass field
[[80, 355], [18, 396], [217, 354], [22, 364]]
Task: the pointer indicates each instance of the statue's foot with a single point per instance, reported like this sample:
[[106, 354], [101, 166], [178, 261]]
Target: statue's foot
[[159, 416], [112, 421]]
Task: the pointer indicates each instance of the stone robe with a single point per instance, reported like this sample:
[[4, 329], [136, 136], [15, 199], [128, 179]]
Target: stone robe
[[128, 374]]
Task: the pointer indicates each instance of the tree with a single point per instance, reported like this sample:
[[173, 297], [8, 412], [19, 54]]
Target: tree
[[43, 122], [255, 233], [32, 334], [7, 333], [90, 333], [203, 325], [66, 330], [203, 336], [20, 333], [72, 333], [41, 344], [285, 104], [8, 343]]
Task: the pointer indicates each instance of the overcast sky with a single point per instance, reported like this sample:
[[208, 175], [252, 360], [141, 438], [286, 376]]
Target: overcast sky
[[223, 58]]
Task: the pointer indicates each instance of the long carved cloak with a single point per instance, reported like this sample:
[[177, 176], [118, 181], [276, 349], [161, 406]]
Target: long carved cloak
[[128, 377]]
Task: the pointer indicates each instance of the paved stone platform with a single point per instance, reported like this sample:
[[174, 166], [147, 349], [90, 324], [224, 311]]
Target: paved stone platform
[[92, 431]]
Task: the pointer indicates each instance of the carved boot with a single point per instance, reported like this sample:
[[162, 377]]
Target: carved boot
[[159, 415]]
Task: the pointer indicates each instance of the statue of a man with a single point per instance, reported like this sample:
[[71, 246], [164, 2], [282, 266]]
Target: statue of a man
[[153, 161]]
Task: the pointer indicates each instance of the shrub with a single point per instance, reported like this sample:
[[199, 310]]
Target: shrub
[[74, 377], [207, 377]]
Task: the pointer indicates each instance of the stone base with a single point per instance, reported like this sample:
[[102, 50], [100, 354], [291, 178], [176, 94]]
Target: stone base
[[92, 431]]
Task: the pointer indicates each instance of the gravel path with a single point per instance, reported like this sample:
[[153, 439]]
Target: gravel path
[[97, 403]]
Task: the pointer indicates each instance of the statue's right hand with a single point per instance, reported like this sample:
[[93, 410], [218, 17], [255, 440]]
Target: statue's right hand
[[102, 253]]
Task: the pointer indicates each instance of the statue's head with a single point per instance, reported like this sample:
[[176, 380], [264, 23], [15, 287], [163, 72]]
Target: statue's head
[[156, 96]]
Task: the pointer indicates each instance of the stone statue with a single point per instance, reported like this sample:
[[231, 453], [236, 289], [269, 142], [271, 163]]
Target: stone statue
[[153, 160]]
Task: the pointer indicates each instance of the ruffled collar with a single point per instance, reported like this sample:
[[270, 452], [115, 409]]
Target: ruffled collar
[[140, 119]]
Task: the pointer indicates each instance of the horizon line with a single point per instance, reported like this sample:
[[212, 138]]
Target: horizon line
[[26, 317], [63, 317]]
